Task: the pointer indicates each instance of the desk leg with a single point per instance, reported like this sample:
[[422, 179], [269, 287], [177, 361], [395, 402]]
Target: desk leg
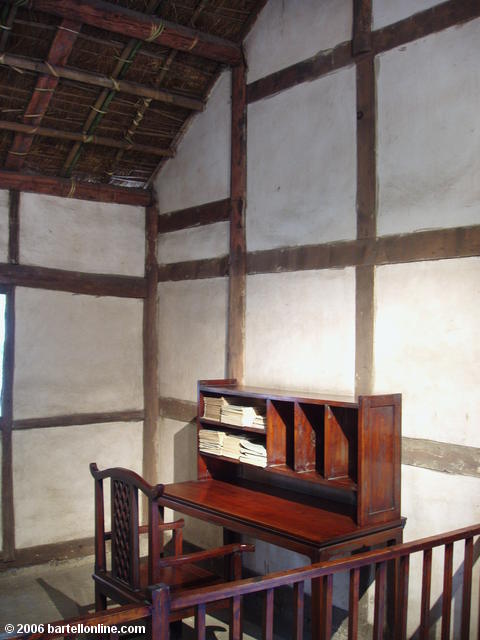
[[321, 603]]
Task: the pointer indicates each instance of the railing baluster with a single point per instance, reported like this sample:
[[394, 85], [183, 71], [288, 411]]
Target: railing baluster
[[447, 591], [467, 588], [298, 610], [326, 610], [426, 588], [401, 605], [200, 622], [353, 604], [379, 612], [236, 618], [268, 615]]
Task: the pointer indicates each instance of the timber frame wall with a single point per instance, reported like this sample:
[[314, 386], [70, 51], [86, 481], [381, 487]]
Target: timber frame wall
[[12, 275], [365, 252]]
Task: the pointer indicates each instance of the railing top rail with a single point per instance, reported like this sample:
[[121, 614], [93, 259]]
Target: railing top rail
[[205, 595]]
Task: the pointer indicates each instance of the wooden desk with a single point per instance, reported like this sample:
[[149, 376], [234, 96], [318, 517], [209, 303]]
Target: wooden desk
[[318, 528]]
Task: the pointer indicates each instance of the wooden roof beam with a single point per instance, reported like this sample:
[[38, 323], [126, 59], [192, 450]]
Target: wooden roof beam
[[60, 50], [95, 79], [30, 131], [78, 189], [135, 24]]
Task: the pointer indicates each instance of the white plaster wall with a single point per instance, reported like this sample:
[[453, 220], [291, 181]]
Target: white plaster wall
[[426, 347], [288, 31], [78, 235], [207, 241], [76, 353], [4, 206], [434, 503], [192, 334], [200, 172], [429, 132], [300, 330], [301, 165], [389, 11], [54, 499]]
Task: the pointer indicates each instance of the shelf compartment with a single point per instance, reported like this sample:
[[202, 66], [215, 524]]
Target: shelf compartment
[[213, 423], [280, 425], [340, 443], [308, 437]]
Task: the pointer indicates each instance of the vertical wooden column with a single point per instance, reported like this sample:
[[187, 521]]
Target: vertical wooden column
[[150, 348], [238, 262], [8, 515], [366, 193]]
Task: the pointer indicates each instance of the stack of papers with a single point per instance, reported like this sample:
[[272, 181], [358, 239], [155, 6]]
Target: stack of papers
[[213, 407], [240, 416], [250, 450], [210, 441], [253, 452]]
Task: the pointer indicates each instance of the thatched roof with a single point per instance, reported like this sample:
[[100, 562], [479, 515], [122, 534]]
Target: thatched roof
[[56, 116]]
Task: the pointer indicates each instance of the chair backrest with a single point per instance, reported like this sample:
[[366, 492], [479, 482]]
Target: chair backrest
[[125, 528]]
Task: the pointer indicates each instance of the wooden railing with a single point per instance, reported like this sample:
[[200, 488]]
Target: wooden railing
[[135, 620], [397, 556]]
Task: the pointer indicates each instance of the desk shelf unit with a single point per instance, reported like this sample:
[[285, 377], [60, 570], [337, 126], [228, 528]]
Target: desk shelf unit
[[347, 446]]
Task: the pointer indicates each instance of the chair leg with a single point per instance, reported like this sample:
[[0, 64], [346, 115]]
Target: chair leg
[[100, 599]]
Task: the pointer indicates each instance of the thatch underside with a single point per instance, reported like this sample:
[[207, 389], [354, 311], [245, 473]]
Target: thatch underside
[[76, 106]]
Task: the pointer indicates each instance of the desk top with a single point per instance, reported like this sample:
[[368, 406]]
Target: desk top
[[298, 525]]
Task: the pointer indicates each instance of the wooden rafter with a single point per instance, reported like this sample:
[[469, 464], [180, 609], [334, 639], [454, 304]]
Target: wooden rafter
[[74, 189], [103, 101], [53, 72], [29, 131], [60, 50], [135, 24], [165, 69]]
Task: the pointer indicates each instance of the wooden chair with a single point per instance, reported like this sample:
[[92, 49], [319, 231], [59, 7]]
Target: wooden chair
[[129, 576]]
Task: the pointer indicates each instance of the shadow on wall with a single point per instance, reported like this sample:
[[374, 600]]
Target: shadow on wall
[[184, 452]]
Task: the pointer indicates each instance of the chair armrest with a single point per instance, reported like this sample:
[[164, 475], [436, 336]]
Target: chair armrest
[[164, 526], [199, 556]]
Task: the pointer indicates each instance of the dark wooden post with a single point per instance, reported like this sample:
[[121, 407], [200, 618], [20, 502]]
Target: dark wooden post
[[150, 347], [160, 612], [238, 187], [366, 194], [8, 513]]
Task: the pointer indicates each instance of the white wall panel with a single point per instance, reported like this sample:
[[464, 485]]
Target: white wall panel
[[76, 353], [192, 334], [300, 330], [426, 346], [4, 206], [288, 31], [80, 235], [200, 171], [389, 11], [429, 132], [207, 241], [54, 498], [302, 165], [434, 503]]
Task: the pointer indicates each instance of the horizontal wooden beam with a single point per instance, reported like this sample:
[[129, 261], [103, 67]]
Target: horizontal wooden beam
[[72, 281], [30, 130], [424, 23], [66, 188], [135, 24], [209, 213], [175, 409], [79, 419], [194, 269], [438, 244], [97, 80], [441, 456]]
